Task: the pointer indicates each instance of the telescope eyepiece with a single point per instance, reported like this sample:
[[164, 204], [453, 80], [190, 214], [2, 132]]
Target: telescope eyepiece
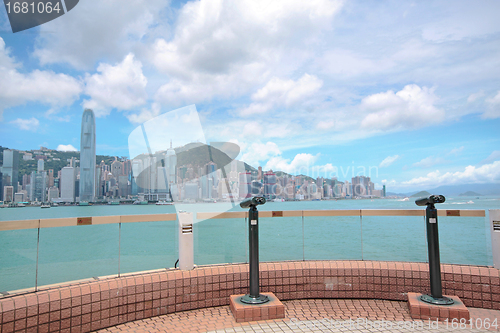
[[254, 201], [430, 200]]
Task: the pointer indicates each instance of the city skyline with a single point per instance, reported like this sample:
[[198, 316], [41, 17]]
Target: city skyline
[[407, 89]]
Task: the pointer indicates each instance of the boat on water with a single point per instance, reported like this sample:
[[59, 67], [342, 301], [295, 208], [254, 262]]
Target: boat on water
[[139, 202], [83, 203], [113, 202], [164, 203], [45, 206]]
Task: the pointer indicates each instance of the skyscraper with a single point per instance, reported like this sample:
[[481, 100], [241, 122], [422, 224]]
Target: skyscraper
[[68, 178], [10, 168], [87, 157]]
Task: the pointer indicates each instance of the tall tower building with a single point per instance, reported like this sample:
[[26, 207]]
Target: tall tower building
[[10, 168], [87, 157]]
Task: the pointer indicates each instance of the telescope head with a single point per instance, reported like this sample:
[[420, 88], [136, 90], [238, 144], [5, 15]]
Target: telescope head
[[431, 200], [252, 202]]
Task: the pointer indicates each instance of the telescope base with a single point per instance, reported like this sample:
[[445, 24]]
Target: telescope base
[[244, 312], [437, 300], [428, 311], [247, 299]]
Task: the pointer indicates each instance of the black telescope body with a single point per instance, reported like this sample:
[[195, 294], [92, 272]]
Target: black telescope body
[[254, 297], [255, 201], [430, 200], [436, 296]]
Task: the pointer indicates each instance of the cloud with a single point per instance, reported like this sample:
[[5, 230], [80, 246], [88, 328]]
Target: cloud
[[66, 148], [430, 161], [258, 152], [278, 93], [456, 151], [410, 108], [122, 86], [226, 48], [26, 124], [145, 114], [493, 109], [44, 87], [98, 30], [301, 164], [494, 156], [488, 173], [474, 97], [388, 161]]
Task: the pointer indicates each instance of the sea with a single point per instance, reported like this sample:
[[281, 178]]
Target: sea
[[33, 258]]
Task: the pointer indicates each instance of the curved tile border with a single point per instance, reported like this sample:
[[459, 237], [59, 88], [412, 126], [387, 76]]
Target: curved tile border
[[108, 302]]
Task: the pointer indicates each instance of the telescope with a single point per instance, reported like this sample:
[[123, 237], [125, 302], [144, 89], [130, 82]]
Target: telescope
[[252, 202], [431, 200]]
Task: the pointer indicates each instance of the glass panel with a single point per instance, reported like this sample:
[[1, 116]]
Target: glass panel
[[148, 245], [280, 238], [18, 259], [79, 252], [219, 241], [394, 238], [332, 238], [463, 240]]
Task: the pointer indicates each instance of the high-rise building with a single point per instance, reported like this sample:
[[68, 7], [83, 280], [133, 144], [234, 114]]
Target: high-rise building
[[87, 157], [38, 186], [8, 193], [171, 165], [10, 168], [116, 168], [245, 180], [68, 178], [40, 165], [53, 193], [269, 184], [51, 177]]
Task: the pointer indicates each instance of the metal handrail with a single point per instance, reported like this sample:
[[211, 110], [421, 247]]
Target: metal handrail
[[75, 221]]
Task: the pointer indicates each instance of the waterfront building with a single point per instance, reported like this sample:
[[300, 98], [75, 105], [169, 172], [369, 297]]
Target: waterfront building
[[191, 190], [53, 193], [38, 186], [171, 165], [51, 177], [68, 178], [116, 168], [123, 188], [10, 168], [87, 157], [19, 197], [269, 184], [8, 193]]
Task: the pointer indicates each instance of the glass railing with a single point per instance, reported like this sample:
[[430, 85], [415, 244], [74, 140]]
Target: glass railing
[[36, 253]]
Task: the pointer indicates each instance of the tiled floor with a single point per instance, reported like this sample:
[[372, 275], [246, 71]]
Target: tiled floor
[[308, 315]]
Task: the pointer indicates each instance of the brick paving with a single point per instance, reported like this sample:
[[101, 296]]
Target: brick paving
[[307, 315]]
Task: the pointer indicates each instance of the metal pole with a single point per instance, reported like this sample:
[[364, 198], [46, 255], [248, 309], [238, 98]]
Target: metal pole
[[253, 241], [436, 296], [433, 249], [254, 297]]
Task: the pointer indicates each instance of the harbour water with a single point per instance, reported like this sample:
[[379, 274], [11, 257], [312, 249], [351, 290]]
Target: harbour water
[[72, 253]]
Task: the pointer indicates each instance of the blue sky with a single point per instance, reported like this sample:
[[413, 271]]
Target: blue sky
[[405, 92]]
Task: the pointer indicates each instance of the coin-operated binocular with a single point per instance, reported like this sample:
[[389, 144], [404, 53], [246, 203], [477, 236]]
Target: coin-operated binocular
[[254, 297], [436, 296]]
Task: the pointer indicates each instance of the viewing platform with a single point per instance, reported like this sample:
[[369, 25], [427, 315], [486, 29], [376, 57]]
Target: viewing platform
[[313, 292]]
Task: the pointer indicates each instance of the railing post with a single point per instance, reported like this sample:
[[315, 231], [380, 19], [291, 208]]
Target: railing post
[[495, 236], [186, 252]]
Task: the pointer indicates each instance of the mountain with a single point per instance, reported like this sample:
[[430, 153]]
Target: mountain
[[469, 194], [484, 189], [420, 194]]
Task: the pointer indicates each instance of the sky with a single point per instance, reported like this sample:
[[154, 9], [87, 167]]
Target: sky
[[407, 93]]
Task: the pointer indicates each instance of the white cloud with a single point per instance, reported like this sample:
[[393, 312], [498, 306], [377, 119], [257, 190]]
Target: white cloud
[[26, 124], [145, 114], [430, 161], [97, 30], [122, 86], [277, 93], [45, 87], [225, 48], [493, 110], [325, 124], [301, 164], [388, 161], [66, 148], [456, 151], [474, 97], [488, 173], [258, 152], [410, 108]]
